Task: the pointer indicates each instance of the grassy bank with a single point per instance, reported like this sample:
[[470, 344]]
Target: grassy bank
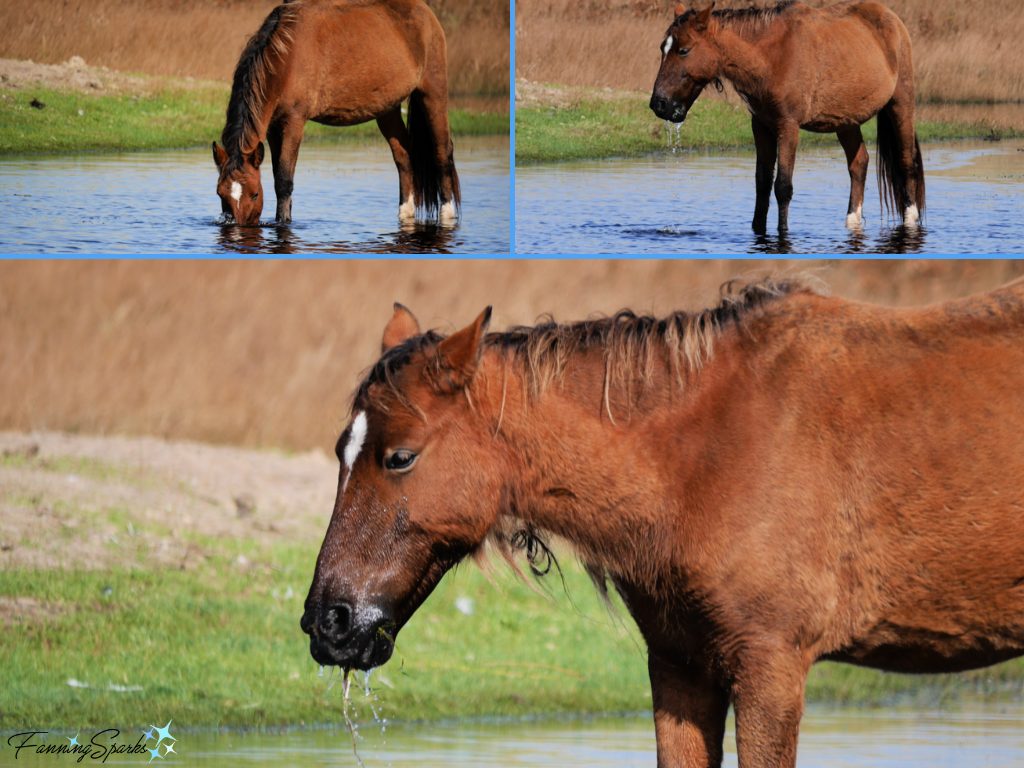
[[221, 646], [170, 118], [589, 124]]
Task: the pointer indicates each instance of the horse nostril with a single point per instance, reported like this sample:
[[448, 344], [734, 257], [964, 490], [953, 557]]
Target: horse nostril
[[337, 622]]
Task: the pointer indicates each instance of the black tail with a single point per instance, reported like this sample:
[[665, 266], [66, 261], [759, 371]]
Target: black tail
[[427, 174], [892, 183]]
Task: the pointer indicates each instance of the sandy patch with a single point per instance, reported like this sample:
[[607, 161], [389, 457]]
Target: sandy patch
[[76, 75], [96, 502]]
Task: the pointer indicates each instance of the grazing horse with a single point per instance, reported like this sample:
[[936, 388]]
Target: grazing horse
[[781, 479], [827, 70], [340, 62]]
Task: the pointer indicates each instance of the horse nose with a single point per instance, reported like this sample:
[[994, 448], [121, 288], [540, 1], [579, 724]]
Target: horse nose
[[336, 624], [659, 105]]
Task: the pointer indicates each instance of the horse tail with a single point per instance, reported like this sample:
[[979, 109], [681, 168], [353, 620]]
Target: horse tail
[[427, 169], [892, 181]]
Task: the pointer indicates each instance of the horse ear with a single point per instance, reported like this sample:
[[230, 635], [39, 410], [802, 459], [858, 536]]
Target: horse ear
[[257, 156], [402, 325], [219, 155], [705, 16], [460, 352], [680, 9]]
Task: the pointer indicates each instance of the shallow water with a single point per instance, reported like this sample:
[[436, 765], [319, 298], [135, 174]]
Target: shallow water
[[975, 735], [691, 202], [345, 201]]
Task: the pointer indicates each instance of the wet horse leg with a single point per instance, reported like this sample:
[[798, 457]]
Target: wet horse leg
[[789, 136], [284, 135], [689, 715], [768, 695], [767, 149], [901, 113], [433, 90], [857, 163], [394, 131]]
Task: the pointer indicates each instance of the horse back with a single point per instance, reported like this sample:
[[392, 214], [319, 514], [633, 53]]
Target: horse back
[[356, 59]]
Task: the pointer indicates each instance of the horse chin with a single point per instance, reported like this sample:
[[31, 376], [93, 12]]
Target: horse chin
[[373, 652]]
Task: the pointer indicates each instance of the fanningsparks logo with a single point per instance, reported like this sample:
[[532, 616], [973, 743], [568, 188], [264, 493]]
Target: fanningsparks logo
[[100, 747]]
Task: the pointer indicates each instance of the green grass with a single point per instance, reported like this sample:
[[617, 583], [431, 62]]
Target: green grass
[[624, 126], [173, 118], [220, 645]]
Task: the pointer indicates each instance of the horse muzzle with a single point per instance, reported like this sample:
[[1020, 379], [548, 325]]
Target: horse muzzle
[[341, 636], [668, 109]]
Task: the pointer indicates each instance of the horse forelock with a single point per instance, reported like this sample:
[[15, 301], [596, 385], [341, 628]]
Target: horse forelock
[[248, 90]]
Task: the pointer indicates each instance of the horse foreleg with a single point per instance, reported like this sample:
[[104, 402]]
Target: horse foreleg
[[689, 715], [284, 137], [857, 163], [789, 136], [768, 695], [767, 149], [394, 131]]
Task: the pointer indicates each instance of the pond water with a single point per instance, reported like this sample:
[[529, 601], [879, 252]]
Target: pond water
[[972, 735], [345, 201], [690, 202]]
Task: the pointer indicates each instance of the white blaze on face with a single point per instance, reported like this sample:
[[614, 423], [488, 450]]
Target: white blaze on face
[[356, 436], [667, 46], [236, 191]]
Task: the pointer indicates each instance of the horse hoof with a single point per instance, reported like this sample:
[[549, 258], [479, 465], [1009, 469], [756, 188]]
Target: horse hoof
[[407, 210], [853, 220], [447, 214], [910, 218]]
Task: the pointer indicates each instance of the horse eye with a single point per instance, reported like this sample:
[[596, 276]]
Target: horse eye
[[400, 461], [255, 195], [683, 51]]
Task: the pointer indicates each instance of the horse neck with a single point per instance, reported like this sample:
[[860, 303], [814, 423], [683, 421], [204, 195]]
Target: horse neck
[[583, 459], [742, 58]]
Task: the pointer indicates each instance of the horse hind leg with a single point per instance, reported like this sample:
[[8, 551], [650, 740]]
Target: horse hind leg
[[394, 131], [857, 163], [900, 167]]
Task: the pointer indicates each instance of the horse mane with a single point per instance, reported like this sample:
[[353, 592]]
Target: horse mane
[[629, 341], [744, 19], [248, 88]]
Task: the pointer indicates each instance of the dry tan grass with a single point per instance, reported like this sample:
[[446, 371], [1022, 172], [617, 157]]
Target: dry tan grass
[[204, 38], [267, 353], [964, 50]]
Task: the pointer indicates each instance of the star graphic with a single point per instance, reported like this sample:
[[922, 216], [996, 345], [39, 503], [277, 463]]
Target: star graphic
[[165, 732], [155, 753], [148, 734], [74, 741], [169, 748]]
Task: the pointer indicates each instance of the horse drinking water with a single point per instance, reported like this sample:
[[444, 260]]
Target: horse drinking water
[[824, 70], [781, 479], [340, 62]]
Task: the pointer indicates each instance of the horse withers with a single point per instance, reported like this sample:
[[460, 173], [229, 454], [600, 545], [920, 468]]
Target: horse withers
[[340, 62], [778, 480], [824, 70]]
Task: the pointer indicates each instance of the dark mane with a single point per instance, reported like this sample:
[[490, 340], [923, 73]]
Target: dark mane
[[743, 19], [629, 340], [241, 131]]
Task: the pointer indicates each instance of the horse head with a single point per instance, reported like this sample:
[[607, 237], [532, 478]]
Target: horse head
[[239, 185], [689, 61], [417, 492]]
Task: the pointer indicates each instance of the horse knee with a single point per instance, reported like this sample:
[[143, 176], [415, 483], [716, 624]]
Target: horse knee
[[783, 189], [283, 188]]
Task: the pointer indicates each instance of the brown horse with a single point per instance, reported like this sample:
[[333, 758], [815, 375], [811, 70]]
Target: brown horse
[[796, 67], [340, 62], [782, 479]]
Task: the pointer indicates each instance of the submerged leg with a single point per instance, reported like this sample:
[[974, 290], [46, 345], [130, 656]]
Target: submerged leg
[[284, 137], [689, 715], [857, 163], [394, 131], [789, 136], [767, 149], [769, 701]]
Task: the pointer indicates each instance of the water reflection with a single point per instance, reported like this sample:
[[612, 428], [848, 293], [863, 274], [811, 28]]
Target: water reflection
[[284, 240]]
